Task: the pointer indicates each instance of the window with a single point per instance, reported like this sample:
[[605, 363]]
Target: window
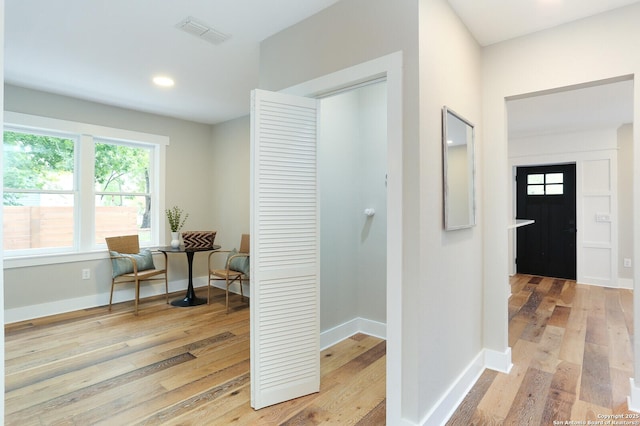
[[123, 197], [39, 191], [545, 184], [69, 185]]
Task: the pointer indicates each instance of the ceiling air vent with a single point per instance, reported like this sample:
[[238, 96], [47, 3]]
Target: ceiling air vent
[[202, 30]]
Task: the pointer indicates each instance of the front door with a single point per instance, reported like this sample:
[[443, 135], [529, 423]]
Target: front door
[[547, 194]]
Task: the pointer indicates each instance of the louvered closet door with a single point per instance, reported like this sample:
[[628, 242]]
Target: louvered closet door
[[285, 249]]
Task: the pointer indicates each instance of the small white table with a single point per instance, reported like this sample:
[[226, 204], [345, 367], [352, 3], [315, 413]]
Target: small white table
[[520, 222]]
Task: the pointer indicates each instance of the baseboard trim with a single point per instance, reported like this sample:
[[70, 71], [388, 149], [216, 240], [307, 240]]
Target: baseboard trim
[[626, 283], [633, 400], [498, 361], [447, 405], [357, 325], [122, 293]]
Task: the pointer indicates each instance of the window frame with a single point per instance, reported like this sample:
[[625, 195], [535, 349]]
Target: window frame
[[85, 248]]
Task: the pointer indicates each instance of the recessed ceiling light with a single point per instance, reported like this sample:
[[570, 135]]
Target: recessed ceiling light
[[163, 81]]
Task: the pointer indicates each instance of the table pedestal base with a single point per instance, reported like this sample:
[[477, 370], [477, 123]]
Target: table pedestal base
[[189, 301]]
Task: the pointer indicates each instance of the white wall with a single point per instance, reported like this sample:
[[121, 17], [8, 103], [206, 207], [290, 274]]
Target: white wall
[[597, 48], [595, 154], [352, 168], [450, 294], [229, 177], [338, 153], [625, 205], [372, 231]]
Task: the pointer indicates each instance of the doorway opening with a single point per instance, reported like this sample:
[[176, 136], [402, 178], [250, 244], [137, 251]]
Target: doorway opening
[[352, 164], [591, 126]]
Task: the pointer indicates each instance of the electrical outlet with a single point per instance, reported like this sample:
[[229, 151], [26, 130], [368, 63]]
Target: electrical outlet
[[627, 262], [86, 274]]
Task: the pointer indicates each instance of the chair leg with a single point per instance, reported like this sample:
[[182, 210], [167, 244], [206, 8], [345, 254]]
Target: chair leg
[[111, 297], [137, 295], [209, 290], [243, 298], [166, 287], [227, 286]]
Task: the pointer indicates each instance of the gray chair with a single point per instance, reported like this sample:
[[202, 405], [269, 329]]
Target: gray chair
[[131, 265], [236, 268]]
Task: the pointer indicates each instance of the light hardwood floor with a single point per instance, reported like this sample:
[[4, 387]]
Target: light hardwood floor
[[169, 365], [571, 349], [572, 358]]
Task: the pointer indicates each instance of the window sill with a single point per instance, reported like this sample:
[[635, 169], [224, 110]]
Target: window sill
[[52, 259]]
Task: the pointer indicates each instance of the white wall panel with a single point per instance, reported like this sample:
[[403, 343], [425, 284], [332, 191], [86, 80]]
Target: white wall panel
[[597, 176], [597, 267], [595, 230], [599, 218]]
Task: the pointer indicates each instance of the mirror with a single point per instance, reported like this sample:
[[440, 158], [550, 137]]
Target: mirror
[[459, 171]]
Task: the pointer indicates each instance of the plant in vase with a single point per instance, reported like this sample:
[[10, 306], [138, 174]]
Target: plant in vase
[[177, 217]]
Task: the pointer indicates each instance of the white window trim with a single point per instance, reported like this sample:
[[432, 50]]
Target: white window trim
[[33, 122]]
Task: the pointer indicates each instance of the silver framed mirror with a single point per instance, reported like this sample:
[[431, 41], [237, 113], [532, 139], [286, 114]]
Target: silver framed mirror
[[458, 157]]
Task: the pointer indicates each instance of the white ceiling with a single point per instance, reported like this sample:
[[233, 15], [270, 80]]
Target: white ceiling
[[108, 50], [492, 21]]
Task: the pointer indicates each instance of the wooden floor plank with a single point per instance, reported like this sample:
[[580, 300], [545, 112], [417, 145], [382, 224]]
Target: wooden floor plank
[[560, 316], [466, 411], [557, 406], [595, 386], [528, 405]]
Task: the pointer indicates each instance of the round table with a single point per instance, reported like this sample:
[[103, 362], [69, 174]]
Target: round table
[[190, 298]]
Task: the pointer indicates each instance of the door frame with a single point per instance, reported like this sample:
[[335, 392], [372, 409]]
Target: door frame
[[556, 166], [546, 160], [390, 68]]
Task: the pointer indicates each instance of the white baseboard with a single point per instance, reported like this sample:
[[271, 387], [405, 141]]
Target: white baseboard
[[233, 288], [633, 400], [121, 293], [448, 404], [498, 361], [357, 325], [626, 283], [450, 401]]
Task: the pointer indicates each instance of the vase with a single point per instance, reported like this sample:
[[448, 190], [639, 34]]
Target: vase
[[175, 239]]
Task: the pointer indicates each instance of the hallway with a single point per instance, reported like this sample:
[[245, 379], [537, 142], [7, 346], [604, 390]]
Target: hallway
[[572, 357]]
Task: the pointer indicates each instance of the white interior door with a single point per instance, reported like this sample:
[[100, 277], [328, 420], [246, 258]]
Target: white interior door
[[285, 248]]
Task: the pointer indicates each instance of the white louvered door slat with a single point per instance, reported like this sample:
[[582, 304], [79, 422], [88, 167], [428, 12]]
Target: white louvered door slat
[[285, 250]]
